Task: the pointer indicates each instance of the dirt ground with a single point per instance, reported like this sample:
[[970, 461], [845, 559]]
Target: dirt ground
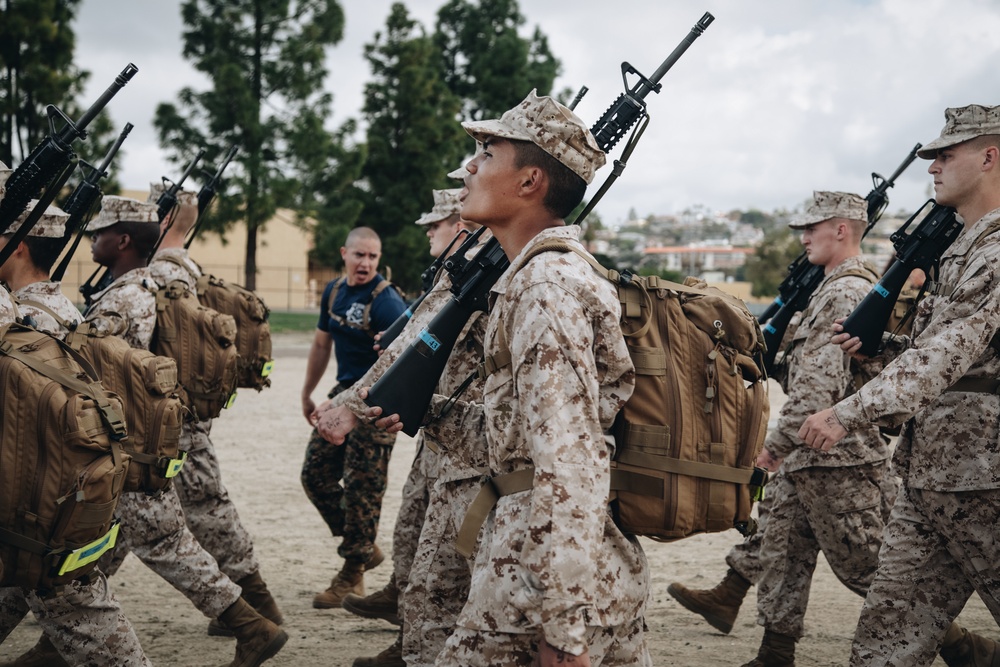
[[260, 443]]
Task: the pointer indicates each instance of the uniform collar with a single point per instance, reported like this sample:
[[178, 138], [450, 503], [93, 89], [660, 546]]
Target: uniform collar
[[968, 236]]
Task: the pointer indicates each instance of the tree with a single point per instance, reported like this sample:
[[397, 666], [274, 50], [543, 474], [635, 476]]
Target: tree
[[265, 59], [485, 60], [413, 141], [769, 265]]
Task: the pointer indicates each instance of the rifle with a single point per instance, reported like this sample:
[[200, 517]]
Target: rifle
[[803, 278], [49, 165], [407, 387], [207, 193], [921, 249], [80, 204], [165, 203]]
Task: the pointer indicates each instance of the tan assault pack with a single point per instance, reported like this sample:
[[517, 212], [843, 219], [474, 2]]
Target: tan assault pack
[[153, 408], [202, 342], [253, 333], [688, 438], [62, 468]]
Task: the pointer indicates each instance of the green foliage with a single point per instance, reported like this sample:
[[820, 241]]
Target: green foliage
[[413, 141], [289, 321], [265, 59], [769, 265], [485, 60]]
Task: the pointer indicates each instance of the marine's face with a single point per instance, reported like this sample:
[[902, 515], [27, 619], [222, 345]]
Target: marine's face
[[104, 246], [361, 257], [820, 241], [441, 233], [956, 171], [491, 184]]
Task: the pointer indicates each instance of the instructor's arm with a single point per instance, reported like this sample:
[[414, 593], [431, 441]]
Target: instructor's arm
[[319, 358]]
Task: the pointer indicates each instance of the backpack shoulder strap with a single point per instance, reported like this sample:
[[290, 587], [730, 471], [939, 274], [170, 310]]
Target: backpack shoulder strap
[[333, 299], [45, 309]]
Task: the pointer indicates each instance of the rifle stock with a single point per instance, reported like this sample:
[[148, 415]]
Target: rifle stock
[[921, 249]]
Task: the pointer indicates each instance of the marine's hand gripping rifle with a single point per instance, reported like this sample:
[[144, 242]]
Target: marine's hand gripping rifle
[[921, 249], [408, 386], [81, 203], [49, 165], [803, 278]]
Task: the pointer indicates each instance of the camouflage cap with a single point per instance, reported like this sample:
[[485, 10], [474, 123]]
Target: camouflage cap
[[962, 124], [550, 126], [5, 173], [115, 209], [184, 197], [829, 205], [446, 204], [51, 225]]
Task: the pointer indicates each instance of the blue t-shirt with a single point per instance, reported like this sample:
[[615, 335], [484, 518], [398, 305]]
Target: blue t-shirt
[[352, 346]]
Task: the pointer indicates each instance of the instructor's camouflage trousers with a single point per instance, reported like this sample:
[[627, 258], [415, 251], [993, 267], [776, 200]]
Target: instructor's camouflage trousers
[[346, 484]]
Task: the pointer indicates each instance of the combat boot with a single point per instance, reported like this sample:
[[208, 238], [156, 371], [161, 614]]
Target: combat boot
[[720, 605], [256, 594], [391, 657], [776, 650], [350, 580], [257, 639], [962, 648], [42, 654], [382, 604]]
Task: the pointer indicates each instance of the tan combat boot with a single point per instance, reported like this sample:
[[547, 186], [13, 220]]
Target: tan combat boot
[[776, 650], [391, 657], [256, 594], [962, 648], [257, 639], [720, 605], [382, 604], [42, 654], [349, 580]]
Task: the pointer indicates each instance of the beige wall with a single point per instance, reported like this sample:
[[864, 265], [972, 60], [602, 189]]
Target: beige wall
[[282, 260]]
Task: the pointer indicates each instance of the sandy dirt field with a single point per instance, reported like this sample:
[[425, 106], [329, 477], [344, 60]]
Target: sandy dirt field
[[260, 443]]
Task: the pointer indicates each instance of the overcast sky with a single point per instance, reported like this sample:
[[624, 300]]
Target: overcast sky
[[776, 99]]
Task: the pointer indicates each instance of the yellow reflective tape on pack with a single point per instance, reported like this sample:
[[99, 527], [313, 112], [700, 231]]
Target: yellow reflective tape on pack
[[88, 553], [174, 465], [266, 370], [232, 399]]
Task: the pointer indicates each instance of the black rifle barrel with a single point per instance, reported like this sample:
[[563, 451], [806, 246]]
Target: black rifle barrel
[[168, 198], [69, 133]]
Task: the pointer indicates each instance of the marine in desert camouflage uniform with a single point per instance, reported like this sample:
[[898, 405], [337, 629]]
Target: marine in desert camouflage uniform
[[555, 581], [432, 577], [208, 510], [153, 527], [940, 544], [82, 622]]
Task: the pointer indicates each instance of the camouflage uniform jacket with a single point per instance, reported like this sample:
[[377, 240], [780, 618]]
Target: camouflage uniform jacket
[[952, 441], [463, 452], [6, 308], [50, 295], [133, 298], [552, 559], [819, 374], [163, 270]]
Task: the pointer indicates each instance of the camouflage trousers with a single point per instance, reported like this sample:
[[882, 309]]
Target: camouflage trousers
[[84, 622], [440, 577], [346, 484], [607, 647], [153, 528], [938, 549], [208, 511], [412, 510], [745, 556], [835, 510]]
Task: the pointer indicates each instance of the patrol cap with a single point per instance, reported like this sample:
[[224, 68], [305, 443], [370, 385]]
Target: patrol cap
[[5, 173], [51, 225], [115, 209], [827, 205], [550, 126], [962, 124], [459, 173], [446, 204], [184, 197]]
